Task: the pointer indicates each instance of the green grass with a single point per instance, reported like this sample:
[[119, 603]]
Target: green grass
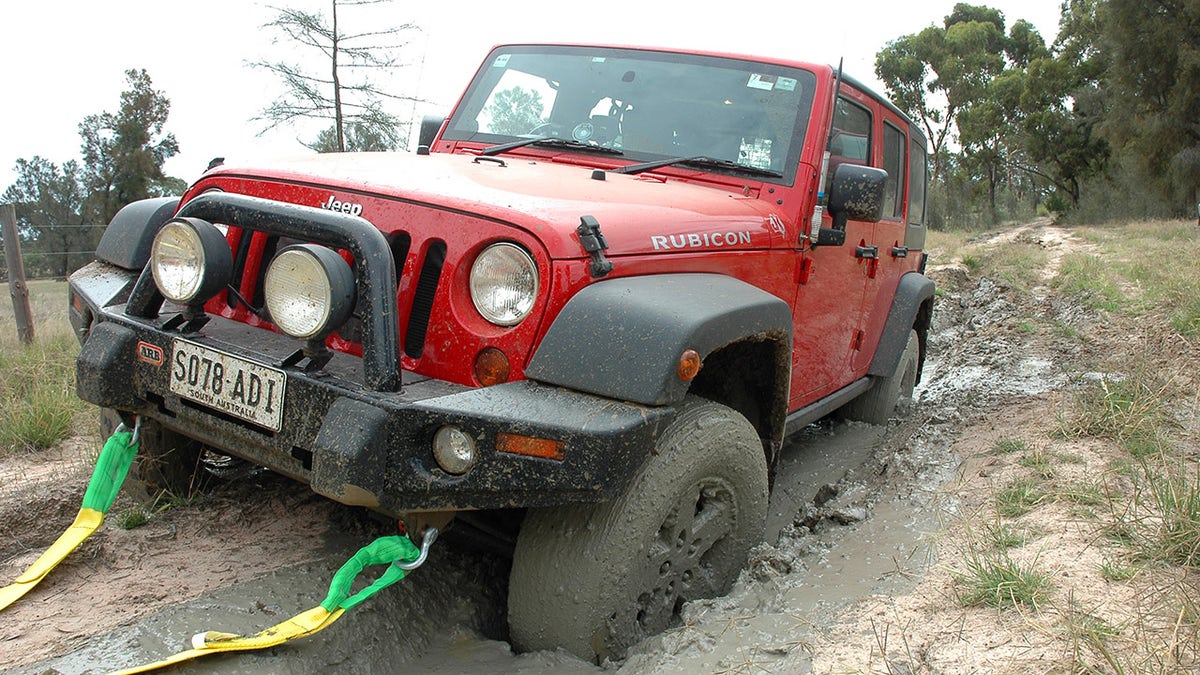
[[1003, 536], [1019, 498], [1166, 521], [1081, 494], [131, 518], [1116, 571], [1137, 260], [1038, 460], [995, 580], [38, 406], [1007, 446], [1092, 280], [1127, 409]]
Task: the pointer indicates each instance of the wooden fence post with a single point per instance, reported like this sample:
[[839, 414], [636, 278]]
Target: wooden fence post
[[16, 274]]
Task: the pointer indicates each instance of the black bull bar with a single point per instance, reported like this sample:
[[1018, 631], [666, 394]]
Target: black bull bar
[[375, 270]]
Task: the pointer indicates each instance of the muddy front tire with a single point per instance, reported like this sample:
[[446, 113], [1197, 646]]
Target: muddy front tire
[[877, 405], [595, 579], [166, 462]]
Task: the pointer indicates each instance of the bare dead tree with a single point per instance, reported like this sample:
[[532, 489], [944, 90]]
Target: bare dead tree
[[344, 91]]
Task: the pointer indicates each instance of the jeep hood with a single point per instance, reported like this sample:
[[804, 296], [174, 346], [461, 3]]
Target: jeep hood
[[637, 214]]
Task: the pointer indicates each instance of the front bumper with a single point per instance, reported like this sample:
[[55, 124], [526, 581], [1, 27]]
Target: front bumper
[[354, 443]]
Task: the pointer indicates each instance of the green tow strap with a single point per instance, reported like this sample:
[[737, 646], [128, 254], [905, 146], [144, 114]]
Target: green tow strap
[[392, 551], [382, 551], [399, 553], [110, 471]]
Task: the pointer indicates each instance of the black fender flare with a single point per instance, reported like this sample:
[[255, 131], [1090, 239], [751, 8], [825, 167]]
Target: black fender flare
[[911, 310], [622, 338], [127, 239]]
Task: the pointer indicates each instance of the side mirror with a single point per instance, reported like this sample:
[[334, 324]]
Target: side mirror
[[856, 194], [430, 125]]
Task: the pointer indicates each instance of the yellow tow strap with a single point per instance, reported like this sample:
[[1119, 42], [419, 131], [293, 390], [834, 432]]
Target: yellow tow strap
[[87, 522], [111, 466], [399, 553], [212, 642]]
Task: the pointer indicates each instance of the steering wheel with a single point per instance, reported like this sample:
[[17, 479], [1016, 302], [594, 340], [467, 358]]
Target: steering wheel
[[547, 129]]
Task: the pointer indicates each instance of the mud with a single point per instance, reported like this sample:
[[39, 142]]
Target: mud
[[850, 517]]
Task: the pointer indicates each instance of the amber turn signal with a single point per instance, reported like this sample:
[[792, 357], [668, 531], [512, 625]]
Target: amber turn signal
[[689, 365], [530, 446], [491, 367]]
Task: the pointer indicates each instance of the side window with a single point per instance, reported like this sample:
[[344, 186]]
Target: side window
[[916, 182], [851, 140], [893, 163]]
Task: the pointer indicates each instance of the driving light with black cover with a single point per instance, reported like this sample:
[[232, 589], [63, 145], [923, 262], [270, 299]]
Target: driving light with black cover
[[504, 284], [309, 291], [190, 261]]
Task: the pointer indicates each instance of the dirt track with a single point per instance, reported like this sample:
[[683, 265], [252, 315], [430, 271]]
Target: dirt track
[[850, 518]]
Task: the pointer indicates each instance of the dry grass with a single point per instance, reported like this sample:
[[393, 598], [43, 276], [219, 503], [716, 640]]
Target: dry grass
[[1137, 412], [38, 407]]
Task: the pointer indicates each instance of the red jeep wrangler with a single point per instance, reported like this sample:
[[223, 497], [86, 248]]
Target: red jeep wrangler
[[597, 300]]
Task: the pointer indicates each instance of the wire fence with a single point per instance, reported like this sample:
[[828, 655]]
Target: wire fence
[[31, 268]]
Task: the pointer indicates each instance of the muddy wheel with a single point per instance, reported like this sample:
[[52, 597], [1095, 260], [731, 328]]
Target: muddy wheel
[[595, 579], [880, 401], [166, 462]]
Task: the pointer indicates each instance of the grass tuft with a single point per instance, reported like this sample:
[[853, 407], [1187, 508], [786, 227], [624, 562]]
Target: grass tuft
[[131, 518], [1007, 446], [996, 580], [1019, 498], [1038, 460], [1166, 515], [38, 407], [1128, 410]]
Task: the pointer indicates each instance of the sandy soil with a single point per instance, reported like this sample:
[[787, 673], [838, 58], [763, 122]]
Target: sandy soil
[[869, 527]]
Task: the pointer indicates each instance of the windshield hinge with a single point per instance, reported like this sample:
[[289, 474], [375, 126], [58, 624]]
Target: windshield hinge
[[594, 243]]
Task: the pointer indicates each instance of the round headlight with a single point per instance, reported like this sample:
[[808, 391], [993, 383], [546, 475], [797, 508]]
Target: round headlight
[[309, 291], [190, 261], [504, 283]]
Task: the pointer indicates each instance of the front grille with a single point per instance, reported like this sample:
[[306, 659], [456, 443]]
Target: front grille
[[421, 307], [255, 250]]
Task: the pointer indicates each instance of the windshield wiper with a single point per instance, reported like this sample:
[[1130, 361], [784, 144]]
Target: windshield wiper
[[549, 140], [698, 160]]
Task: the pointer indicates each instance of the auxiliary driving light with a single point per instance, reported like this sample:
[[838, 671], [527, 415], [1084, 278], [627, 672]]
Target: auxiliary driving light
[[190, 261], [454, 450], [309, 291]]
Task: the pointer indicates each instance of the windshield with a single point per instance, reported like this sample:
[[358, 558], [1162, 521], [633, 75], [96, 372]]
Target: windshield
[[648, 105]]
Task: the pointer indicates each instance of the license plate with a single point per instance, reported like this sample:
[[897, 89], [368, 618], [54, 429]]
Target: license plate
[[231, 384]]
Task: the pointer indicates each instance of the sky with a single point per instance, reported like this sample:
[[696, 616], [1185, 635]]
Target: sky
[[65, 59]]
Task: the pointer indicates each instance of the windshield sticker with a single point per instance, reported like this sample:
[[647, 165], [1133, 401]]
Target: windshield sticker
[[599, 59], [759, 81], [501, 61], [668, 242], [785, 84]]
